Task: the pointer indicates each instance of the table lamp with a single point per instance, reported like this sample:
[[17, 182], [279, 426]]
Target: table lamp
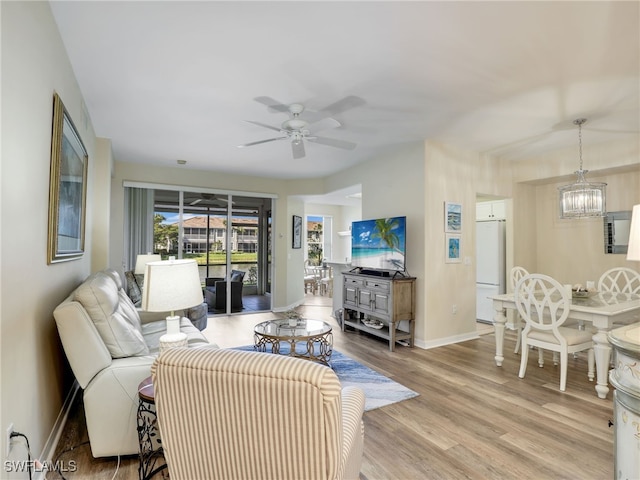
[[633, 250], [171, 285], [142, 260]]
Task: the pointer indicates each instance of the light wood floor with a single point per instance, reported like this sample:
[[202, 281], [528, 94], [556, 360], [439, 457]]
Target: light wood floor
[[472, 420]]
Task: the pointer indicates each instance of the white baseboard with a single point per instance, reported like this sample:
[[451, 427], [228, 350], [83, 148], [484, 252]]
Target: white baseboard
[[288, 307], [51, 444], [447, 341]]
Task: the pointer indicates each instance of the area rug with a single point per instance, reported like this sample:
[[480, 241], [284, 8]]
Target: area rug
[[379, 391]]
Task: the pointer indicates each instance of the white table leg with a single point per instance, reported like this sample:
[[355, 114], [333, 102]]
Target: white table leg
[[602, 351], [499, 321]]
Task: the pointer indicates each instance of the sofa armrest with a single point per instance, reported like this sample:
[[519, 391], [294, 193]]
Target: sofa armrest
[[111, 404], [211, 281], [352, 431], [148, 317], [84, 348]]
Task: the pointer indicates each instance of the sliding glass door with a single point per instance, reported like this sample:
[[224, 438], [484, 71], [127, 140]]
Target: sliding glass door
[[223, 232]]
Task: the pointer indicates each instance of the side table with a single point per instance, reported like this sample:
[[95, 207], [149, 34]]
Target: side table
[[151, 456]]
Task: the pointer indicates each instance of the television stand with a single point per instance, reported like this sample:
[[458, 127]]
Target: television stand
[[390, 300]]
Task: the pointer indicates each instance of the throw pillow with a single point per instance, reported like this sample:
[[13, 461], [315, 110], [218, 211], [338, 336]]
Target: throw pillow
[[114, 316], [237, 275], [134, 289]]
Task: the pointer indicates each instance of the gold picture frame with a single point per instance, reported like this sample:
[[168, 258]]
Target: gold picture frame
[[67, 188]]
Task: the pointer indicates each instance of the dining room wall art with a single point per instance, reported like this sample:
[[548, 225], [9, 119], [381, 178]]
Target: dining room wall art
[[453, 248], [67, 188], [452, 217]]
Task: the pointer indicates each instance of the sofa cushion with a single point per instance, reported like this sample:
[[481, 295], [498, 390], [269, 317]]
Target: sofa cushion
[[134, 289], [198, 315], [154, 330], [113, 314]]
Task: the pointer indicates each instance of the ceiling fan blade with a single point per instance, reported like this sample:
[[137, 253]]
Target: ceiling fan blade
[[298, 149], [263, 125], [333, 142], [274, 105], [196, 201], [325, 124], [340, 106], [261, 141], [335, 108]]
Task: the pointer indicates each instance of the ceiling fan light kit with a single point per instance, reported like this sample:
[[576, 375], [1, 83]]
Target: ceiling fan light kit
[[297, 130], [582, 199]]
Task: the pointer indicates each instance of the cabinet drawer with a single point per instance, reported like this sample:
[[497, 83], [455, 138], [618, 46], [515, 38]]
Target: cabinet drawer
[[377, 285], [352, 281]]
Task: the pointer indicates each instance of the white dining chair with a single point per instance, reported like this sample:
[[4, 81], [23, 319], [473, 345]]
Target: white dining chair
[[326, 283], [620, 280], [544, 306], [310, 278], [515, 275]]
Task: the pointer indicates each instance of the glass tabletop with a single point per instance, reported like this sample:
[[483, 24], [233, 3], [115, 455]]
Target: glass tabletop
[[601, 299], [281, 328]]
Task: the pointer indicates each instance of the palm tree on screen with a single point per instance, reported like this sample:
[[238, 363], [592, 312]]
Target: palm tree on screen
[[384, 230]]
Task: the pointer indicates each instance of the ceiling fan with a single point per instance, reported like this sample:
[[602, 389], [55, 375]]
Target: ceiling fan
[[301, 123], [204, 199]]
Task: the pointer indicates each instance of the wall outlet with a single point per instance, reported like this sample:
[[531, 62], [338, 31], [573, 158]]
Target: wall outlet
[[454, 308], [8, 440]]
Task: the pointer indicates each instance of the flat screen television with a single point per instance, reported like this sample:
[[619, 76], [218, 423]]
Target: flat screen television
[[379, 244]]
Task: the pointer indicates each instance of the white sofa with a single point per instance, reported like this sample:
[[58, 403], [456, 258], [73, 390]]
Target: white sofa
[[111, 346]]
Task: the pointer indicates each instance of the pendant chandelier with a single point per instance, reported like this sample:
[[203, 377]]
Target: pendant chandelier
[[582, 199]]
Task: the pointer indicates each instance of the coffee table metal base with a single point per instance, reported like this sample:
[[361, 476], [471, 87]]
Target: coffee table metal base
[[310, 339]]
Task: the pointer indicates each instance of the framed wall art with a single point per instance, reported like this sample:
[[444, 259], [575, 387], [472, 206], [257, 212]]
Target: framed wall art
[[452, 217], [297, 232], [452, 248], [67, 188]]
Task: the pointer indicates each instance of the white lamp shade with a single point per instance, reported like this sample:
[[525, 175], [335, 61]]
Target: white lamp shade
[[633, 250], [171, 285], [142, 260]]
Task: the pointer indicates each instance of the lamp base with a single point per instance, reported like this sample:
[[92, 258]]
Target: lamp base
[[172, 340]]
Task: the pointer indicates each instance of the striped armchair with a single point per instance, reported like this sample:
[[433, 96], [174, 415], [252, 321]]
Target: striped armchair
[[234, 415]]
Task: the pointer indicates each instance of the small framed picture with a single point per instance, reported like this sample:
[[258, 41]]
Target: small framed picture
[[297, 232], [452, 217], [452, 248]]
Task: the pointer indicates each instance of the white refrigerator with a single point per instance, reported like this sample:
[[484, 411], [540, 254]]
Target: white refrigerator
[[490, 266]]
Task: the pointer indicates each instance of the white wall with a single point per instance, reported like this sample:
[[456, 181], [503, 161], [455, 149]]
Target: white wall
[[454, 175], [34, 375]]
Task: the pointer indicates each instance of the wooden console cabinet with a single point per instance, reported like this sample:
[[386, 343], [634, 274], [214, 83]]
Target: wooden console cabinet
[[387, 299]]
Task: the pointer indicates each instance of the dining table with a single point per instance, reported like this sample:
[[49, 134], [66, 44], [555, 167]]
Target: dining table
[[602, 310]]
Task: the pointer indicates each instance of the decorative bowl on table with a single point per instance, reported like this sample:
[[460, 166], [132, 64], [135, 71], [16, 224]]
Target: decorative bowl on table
[[581, 292]]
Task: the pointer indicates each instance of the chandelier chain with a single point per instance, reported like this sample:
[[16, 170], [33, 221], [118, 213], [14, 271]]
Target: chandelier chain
[[580, 142], [579, 122]]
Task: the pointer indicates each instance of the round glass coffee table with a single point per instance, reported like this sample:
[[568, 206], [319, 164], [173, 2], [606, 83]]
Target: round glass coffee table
[[310, 339]]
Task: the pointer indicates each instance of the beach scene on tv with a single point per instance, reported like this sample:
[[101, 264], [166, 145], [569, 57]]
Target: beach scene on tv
[[379, 243]]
